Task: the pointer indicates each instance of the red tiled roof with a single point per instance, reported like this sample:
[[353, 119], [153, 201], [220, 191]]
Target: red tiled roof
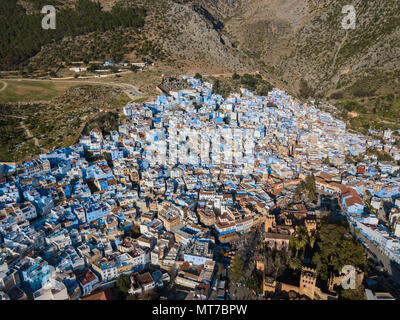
[[353, 200], [101, 295], [145, 278], [86, 276]]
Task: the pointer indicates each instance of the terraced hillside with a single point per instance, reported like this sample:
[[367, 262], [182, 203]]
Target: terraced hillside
[[30, 128]]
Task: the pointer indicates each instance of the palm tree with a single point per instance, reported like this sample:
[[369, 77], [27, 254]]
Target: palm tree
[[295, 263], [312, 240], [299, 239]]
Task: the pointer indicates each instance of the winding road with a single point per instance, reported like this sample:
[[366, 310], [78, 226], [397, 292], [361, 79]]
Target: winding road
[[5, 85]]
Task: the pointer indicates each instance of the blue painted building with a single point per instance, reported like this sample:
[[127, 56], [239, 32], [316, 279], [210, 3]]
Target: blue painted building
[[34, 273]]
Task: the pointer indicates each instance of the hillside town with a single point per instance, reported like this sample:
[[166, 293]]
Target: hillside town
[[164, 203]]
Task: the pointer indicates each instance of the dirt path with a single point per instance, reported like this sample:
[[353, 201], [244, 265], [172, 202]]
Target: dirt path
[[93, 77], [30, 135], [12, 116], [338, 50], [230, 74], [5, 85]]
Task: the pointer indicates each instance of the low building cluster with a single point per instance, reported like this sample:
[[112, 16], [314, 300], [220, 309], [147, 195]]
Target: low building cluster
[[185, 172]]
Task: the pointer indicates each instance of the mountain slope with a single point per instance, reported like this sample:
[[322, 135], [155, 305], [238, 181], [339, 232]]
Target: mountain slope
[[300, 39], [299, 45], [190, 39], [165, 31]]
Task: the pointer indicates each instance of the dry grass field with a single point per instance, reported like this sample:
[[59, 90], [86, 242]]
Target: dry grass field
[[31, 91]]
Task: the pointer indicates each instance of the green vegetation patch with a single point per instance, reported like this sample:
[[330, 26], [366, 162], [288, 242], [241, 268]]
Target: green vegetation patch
[[377, 113], [22, 35], [225, 86], [59, 122], [335, 248]]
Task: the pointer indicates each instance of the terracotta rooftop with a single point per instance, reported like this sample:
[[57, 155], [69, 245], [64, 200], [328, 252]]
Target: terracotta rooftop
[[145, 278], [85, 277], [100, 295]]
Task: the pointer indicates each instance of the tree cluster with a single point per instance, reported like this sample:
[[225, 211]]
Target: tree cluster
[[307, 188], [305, 90], [22, 35], [236, 271], [335, 248], [302, 245]]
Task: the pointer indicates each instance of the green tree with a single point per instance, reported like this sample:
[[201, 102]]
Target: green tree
[[254, 283], [23, 36], [275, 262], [353, 294], [131, 297], [134, 68], [311, 188], [248, 81], [295, 263], [298, 193], [326, 161], [197, 106], [299, 240], [312, 240], [124, 283], [235, 76], [236, 271], [305, 90], [306, 187], [263, 90], [336, 248]]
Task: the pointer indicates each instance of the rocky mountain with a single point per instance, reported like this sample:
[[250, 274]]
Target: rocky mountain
[[295, 40], [182, 35], [191, 37], [299, 45]]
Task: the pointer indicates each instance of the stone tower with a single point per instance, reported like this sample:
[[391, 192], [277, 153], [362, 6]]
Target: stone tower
[[308, 280], [311, 226], [260, 263], [269, 285], [269, 222]]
